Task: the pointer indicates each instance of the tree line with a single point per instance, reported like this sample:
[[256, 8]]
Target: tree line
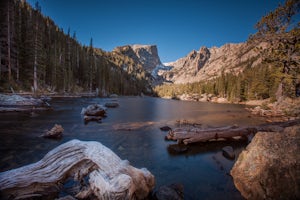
[[260, 82], [36, 55]]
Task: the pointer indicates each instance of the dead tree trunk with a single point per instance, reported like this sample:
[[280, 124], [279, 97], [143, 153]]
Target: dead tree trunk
[[8, 43], [192, 135], [109, 177]]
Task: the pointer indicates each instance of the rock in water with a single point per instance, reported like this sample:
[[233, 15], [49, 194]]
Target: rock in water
[[177, 148], [88, 119], [228, 152], [269, 167], [165, 128], [173, 191], [101, 173], [94, 110], [111, 104], [55, 133], [113, 96]]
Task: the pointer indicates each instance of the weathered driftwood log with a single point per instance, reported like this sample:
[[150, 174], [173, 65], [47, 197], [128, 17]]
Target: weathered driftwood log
[[55, 133], [108, 176], [192, 135]]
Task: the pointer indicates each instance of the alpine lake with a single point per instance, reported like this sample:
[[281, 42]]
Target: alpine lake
[[132, 131]]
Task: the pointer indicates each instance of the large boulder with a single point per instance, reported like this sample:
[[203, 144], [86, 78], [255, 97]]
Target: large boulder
[[55, 133], [269, 167], [94, 110]]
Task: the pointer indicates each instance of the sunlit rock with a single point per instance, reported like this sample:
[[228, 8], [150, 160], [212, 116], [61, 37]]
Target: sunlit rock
[[269, 167]]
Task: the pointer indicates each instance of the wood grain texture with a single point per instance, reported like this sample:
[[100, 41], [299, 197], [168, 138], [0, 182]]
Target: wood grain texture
[[109, 177]]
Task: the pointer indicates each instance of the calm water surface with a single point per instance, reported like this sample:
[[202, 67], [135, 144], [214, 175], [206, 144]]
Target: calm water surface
[[202, 170]]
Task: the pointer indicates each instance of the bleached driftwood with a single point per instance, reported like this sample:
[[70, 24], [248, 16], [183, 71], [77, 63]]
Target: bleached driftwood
[[109, 177], [191, 135]]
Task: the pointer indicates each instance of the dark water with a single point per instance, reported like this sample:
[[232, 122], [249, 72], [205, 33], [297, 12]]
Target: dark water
[[202, 170]]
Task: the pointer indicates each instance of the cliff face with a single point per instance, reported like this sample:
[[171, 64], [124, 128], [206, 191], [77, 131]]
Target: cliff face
[[146, 55], [208, 63], [201, 65]]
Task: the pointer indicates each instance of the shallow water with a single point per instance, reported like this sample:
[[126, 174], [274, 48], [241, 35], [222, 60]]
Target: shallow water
[[203, 171]]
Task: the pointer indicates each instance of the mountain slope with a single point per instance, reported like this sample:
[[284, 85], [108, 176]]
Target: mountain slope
[[146, 55], [36, 55], [209, 63]]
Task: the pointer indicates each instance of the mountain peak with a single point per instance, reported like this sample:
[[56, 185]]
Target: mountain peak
[[147, 55], [208, 63]]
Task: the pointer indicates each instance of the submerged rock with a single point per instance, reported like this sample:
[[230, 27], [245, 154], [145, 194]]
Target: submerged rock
[[173, 191], [111, 104], [177, 148], [269, 167], [228, 152], [88, 119], [165, 128]]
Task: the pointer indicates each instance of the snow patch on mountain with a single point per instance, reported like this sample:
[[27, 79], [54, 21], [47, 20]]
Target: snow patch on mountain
[[159, 70]]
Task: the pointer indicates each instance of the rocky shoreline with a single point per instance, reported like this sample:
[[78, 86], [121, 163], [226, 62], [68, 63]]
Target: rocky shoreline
[[17, 103], [282, 110]]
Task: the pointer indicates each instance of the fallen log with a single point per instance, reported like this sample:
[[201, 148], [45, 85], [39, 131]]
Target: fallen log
[[108, 176], [192, 135]]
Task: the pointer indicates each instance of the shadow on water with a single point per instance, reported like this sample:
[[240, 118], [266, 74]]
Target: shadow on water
[[132, 132], [205, 148]]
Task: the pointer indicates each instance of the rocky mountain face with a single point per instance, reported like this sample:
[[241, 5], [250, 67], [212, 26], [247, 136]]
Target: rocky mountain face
[[146, 55], [208, 63], [201, 65]]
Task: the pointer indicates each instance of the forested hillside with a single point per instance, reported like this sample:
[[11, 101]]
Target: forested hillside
[[36, 55], [273, 71]]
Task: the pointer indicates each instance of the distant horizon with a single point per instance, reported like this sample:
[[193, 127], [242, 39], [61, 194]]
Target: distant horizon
[[175, 27]]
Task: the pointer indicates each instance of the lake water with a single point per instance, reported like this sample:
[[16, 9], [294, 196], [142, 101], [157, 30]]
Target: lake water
[[202, 170]]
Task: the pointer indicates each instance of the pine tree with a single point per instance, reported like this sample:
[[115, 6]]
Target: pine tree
[[277, 29]]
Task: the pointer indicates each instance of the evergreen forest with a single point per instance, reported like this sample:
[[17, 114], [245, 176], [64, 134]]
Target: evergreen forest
[[38, 56]]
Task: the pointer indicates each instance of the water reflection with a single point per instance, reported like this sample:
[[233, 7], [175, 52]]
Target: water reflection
[[132, 132]]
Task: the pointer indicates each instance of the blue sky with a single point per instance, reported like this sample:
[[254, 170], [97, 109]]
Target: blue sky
[[175, 26]]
